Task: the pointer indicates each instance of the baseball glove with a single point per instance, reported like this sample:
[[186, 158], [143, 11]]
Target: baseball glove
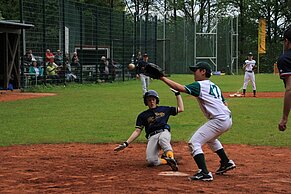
[[154, 71]]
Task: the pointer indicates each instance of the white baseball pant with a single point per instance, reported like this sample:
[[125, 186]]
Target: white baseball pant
[[249, 76], [208, 133]]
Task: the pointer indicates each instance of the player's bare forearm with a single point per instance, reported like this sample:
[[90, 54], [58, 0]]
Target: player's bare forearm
[[134, 135], [287, 105], [180, 103], [173, 84], [287, 99]]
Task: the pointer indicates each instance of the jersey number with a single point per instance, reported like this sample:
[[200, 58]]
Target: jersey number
[[214, 91]]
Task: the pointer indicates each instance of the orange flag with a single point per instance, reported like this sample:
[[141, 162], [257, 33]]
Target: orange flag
[[262, 36]]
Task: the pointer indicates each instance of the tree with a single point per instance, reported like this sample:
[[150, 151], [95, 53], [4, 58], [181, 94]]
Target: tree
[[1, 18], [10, 9], [105, 3]]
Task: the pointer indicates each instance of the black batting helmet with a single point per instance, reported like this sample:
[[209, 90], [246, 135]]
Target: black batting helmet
[[151, 93]]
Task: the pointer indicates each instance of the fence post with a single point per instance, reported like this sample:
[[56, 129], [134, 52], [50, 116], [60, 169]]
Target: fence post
[[21, 50], [64, 41], [156, 38], [81, 43], [123, 43], [44, 41], [96, 37]]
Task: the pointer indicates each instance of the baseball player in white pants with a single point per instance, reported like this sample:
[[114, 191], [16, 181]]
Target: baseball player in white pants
[[219, 121], [249, 66], [155, 122]]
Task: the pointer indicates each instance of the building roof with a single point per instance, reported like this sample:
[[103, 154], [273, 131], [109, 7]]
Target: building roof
[[4, 24]]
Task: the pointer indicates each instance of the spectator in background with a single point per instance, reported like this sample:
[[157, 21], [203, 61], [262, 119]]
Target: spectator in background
[[75, 59], [145, 80], [112, 69], [52, 71], [58, 58], [104, 69], [34, 70], [68, 69], [138, 58], [76, 64], [28, 57], [48, 56], [68, 72], [31, 55], [67, 58]]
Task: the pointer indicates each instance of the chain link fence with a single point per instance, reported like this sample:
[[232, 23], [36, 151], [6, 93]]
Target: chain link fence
[[93, 32]]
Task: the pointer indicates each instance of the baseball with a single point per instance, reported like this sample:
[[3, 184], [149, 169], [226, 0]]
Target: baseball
[[131, 66]]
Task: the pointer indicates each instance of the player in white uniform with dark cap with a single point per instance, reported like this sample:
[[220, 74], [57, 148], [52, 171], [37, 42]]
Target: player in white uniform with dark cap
[[219, 121], [249, 66]]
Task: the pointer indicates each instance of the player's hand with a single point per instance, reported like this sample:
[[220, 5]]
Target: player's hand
[[282, 125], [121, 146], [175, 91]]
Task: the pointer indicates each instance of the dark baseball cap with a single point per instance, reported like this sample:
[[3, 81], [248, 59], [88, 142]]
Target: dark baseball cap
[[287, 34], [250, 54], [201, 65]]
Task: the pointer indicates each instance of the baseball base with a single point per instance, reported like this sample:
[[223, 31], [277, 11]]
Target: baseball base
[[235, 95], [173, 173]]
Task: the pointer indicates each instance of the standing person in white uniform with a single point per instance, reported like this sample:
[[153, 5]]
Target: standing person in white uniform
[[219, 121], [249, 66]]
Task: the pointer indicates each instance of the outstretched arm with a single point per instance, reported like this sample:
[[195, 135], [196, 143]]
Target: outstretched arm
[[132, 137], [287, 105], [174, 85], [179, 100]]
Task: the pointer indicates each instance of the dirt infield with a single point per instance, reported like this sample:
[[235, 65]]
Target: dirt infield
[[95, 168], [17, 95], [258, 95]]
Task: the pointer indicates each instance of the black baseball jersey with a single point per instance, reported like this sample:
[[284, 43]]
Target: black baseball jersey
[[284, 64], [140, 67], [155, 119]]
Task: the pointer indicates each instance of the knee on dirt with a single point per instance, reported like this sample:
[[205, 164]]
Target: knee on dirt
[[153, 162]]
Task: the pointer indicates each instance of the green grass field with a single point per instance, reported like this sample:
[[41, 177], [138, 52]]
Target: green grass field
[[106, 113]]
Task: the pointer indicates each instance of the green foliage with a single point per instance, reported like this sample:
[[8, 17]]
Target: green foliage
[[1, 18], [9, 9], [98, 113], [116, 4]]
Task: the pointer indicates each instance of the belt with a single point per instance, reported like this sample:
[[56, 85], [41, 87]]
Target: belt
[[249, 71], [156, 132]]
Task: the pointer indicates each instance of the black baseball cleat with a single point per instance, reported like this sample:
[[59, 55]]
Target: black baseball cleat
[[172, 163], [164, 156], [201, 176], [225, 167]]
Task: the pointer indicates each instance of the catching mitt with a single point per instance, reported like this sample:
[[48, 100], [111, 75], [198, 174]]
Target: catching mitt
[[153, 71]]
